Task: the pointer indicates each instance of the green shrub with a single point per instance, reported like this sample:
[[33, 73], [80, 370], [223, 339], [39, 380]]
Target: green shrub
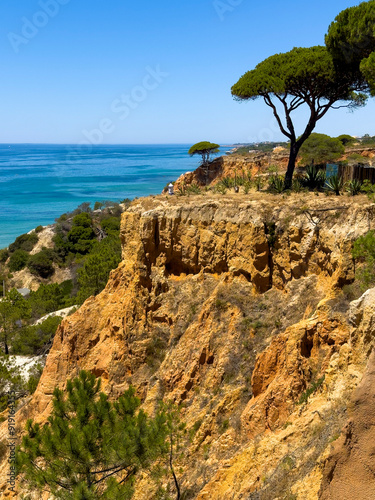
[[93, 275], [193, 189], [34, 377], [18, 260], [313, 178], [82, 220], [297, 185], [258, 182], [364, 252], [10, 379], [4, 255], [227, 182], [369, 189], [276, 184], [41, 264], [321, 148], [110, 224], [334, 184], [24, 242], [50, 298], [220, 188], [39, 229], [354, 187], [30, 340], [346, 140], [313, 388], [80, 239]]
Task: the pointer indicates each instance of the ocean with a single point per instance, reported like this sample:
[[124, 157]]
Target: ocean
[[39, 182]]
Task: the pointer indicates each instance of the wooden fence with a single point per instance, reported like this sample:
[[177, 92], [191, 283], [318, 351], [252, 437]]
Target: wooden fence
[[360, 172]]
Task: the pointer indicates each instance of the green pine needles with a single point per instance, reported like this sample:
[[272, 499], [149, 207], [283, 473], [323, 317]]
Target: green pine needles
[[90, 448]]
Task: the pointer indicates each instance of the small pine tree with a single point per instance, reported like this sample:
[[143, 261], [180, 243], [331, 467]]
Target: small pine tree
[[90, 448]]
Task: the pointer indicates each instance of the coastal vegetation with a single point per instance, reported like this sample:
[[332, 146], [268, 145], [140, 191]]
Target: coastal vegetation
[[321, 148], [93, 447], [302, 76], [204, 149], [87, 243], [351, 41]]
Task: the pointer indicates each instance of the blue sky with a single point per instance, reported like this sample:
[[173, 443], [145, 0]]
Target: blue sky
[[150, 72]]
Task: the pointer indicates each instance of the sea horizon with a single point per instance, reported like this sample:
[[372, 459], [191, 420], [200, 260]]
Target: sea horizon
[[40, 182]]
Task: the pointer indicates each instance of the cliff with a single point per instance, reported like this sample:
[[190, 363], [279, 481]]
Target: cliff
[[234, 307], [255, 163]]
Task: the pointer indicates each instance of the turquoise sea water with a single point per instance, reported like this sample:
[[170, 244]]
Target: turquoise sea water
[[40, 182]]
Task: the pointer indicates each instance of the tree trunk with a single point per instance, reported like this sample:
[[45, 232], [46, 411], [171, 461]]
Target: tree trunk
[[294, 149]]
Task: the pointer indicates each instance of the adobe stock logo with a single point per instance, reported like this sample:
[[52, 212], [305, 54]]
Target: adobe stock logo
[[40, 19], [120, 109], [224, 6]]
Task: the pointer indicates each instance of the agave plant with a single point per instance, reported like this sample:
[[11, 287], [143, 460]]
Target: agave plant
[[354, 187], [297, 185], [335, 184], [193, 189], [220, 188], [227, 182], [313, 178], [258, 182], [246, 187], [276, 184]]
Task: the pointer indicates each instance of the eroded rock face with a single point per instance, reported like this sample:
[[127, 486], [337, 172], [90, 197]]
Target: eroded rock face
[[223, 304], [349, 472]]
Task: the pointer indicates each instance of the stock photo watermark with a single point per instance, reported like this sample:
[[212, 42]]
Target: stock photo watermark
[[12, 440], [222, 7], [266, 134], [121, 107], [31, 26]]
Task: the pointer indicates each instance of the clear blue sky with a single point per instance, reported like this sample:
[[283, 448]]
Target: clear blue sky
[[72, 70]]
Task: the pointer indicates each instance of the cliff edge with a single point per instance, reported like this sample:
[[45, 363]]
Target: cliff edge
[[234, 307]]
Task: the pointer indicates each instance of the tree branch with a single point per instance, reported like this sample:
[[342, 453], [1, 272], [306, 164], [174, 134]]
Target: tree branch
[[269, 103]]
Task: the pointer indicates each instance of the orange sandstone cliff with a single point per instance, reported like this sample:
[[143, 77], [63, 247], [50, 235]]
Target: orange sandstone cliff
[[234, 307]]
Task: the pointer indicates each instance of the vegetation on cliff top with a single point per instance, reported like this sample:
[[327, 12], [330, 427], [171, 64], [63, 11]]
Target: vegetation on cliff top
[[303, 76]]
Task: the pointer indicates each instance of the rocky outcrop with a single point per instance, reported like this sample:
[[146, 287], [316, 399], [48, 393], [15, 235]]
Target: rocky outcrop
[[232, 307], [231, 165], [349, 472]]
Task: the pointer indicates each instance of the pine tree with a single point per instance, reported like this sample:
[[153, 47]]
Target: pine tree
[[90, 448], [13, 309]]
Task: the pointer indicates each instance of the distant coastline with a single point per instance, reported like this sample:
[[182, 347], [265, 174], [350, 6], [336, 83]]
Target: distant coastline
[[38, 182]]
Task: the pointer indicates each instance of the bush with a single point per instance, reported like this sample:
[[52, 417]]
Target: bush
[[110, 224], [313, 178], [354, 187], [4, 255], [98, 205], [276, 184], [18, 260], [334, 184], [10, 379], [39, 229], [93, 276], [41, 264], [31, 339], [321, 148], [313, 388], [24, 242], [364, 252], [50, 298], [34, 378], [346, 140], [297, 185]]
